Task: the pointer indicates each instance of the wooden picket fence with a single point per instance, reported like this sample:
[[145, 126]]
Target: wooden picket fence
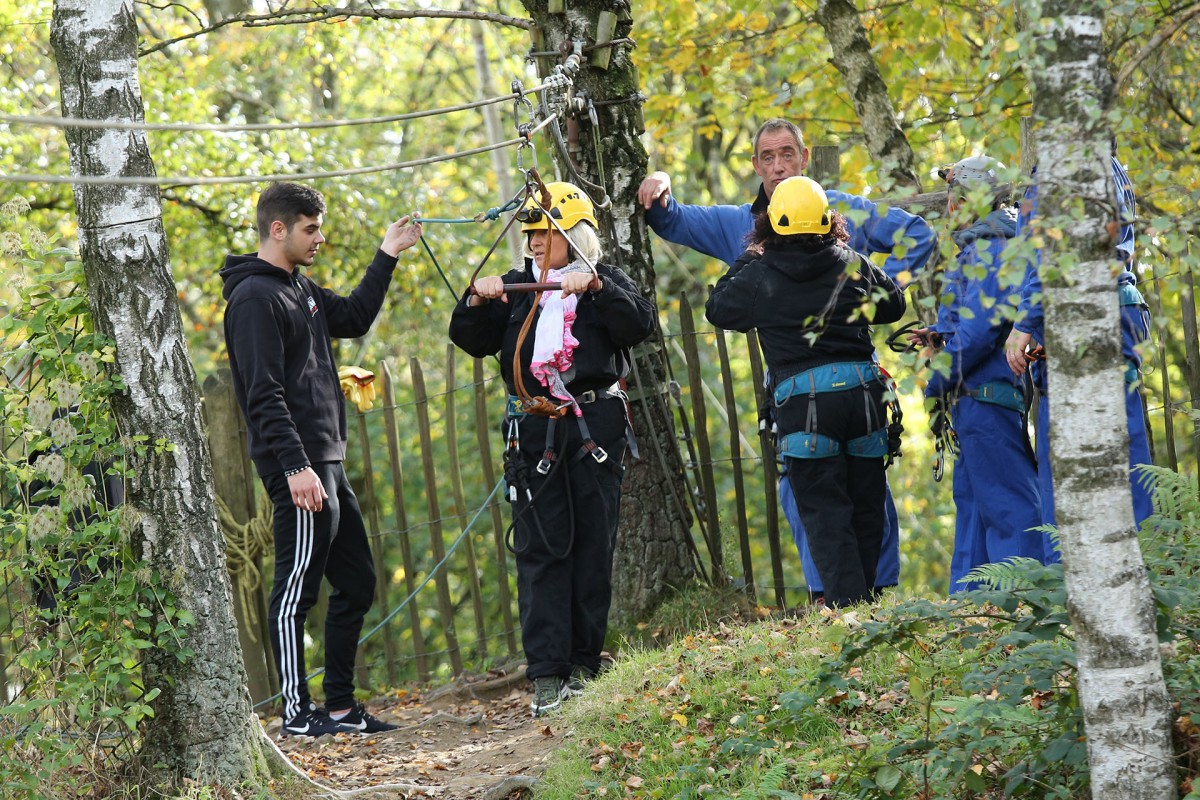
[[418, 492], [425, 467]]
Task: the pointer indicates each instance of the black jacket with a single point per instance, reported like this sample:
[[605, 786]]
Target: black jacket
[[277, 330], [607, 324], [809, 308]]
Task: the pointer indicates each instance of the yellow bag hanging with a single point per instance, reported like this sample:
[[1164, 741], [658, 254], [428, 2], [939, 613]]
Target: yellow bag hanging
[[358, 385]]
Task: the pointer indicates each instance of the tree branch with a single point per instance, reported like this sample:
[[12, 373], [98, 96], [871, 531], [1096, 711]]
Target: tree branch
[[304, 16], [1156, 41]]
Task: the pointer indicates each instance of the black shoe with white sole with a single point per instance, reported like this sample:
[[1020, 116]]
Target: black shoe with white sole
[[359, 720], [548, 693], [314, 723]]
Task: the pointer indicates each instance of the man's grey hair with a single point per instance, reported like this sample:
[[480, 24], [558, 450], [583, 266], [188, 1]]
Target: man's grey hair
[[778, 124]]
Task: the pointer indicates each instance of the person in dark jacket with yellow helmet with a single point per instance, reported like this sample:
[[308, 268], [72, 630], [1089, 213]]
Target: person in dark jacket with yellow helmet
[[562, 354], [813, 300]]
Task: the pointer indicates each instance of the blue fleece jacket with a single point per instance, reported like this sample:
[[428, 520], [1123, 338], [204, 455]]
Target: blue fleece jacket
[[720, 231], [968, 319]]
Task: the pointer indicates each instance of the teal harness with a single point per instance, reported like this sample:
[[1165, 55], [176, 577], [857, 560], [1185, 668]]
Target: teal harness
[[839, 377], [999, 393]]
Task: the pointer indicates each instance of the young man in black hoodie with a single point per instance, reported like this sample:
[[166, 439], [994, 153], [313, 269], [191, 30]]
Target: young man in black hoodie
[[278, 329]]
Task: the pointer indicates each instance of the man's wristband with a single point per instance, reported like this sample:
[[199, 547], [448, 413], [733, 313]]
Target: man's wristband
[[289, 473]]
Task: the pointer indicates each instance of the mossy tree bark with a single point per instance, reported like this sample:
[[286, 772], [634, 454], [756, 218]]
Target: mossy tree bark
[[887, 144], [654, 546], [203, 726]]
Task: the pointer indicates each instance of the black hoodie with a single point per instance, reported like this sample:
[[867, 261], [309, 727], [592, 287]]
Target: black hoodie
[[278, 329], [810, 309], [607, 324]]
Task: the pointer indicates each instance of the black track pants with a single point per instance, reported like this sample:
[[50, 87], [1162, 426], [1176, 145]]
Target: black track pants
[[332, 543], [841, 498], [564, 542]]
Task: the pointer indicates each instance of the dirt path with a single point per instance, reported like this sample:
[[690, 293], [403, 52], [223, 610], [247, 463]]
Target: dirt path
[[473, 740]]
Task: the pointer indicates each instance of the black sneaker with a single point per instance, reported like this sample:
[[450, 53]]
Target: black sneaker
[[359, 720], [548, 693], [313, 723], [580, 676]]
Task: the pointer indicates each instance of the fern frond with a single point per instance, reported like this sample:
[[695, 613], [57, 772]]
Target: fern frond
[[1005, 576]]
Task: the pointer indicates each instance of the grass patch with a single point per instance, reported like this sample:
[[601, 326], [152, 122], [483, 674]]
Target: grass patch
[[968, 697]]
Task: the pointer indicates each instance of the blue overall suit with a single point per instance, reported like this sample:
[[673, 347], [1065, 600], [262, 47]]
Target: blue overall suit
[[995, 477], [720, 231], [1135, 329]]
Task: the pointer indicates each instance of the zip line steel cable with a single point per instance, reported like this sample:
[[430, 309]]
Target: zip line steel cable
[[432, 572], [153, 180], [216, 127]]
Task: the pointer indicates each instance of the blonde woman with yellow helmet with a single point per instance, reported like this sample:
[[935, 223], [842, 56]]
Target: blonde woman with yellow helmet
[[813, 300], [563, 353]]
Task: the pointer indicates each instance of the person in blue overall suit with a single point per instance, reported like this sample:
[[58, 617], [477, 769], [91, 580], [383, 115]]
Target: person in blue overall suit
[[995, 477], [720, 231], [813, 301], [1135, 329]]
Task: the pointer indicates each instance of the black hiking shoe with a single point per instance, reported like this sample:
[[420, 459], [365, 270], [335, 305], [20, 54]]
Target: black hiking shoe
[[548, 693], [580, 677], [359, 720], [313, 723]]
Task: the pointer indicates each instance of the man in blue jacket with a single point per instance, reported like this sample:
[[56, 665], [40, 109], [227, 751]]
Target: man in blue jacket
[[278, 324], [1135, 329], [995, 477], [720, 231]]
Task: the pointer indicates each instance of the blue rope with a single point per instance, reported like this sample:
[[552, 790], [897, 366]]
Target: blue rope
[[400, 607], [491, 214]]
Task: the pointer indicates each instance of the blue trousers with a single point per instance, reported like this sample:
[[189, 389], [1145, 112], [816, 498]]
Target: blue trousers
[[1139, 453], [888, 571], [995, 491]]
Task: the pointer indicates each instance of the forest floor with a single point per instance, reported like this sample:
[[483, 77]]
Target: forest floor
[[474, 739]]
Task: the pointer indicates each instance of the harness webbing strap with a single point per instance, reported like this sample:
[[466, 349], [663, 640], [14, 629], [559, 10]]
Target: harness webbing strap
[[803, 444], [1000, 393]]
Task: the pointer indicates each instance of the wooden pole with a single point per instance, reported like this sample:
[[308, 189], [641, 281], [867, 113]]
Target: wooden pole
[[410, 570], [483, 439], [687, 325], [825, 165], [437, 545], [460, 503], [766, 443], [735, 452], [1160, 327], [1191, 345], [234, 481], [382, 579]]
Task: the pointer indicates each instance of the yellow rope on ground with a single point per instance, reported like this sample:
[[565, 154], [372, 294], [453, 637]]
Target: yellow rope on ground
[[245, 544]]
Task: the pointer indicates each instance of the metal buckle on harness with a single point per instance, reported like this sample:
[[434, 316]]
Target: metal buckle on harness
[[598, 453], [546, 463]]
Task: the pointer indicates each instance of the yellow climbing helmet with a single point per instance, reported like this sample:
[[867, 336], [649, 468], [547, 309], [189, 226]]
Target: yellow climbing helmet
[[568, 205], [799, 205]]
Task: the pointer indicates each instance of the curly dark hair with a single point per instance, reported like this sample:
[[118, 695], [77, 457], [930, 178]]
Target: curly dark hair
[[764, 235]]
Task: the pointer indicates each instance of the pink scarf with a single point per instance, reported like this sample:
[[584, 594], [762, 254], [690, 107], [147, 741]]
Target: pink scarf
[[554, 346]]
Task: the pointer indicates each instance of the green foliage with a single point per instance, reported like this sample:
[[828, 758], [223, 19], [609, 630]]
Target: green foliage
[[84, 606], [974, 696]]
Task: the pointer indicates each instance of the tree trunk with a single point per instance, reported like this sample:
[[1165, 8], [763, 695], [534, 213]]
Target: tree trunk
[[654, 548], [852, 57], [1126, 708], [203, 726]]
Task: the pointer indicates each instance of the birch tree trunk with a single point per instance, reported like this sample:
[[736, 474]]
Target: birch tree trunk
[[203, 726], [852, 57], [654, 550], [1126, 708]]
